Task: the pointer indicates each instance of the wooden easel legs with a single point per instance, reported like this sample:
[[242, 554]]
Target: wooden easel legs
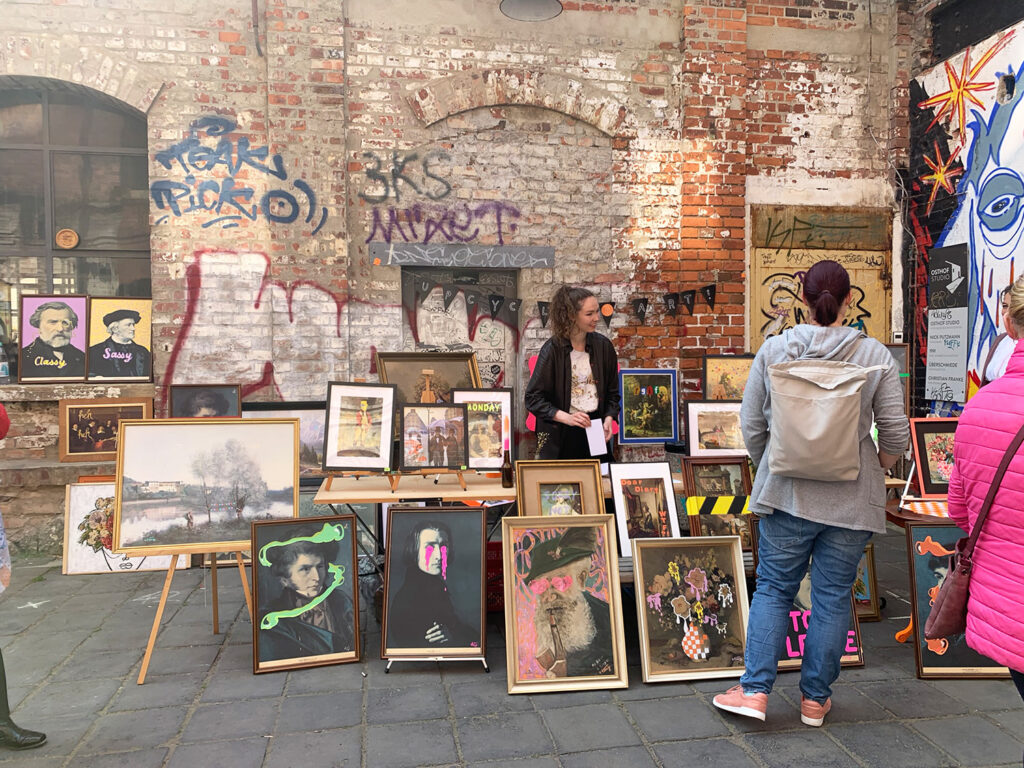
[[163, 603]]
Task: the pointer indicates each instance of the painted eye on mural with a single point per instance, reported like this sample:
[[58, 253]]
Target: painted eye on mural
[[1000, 200]]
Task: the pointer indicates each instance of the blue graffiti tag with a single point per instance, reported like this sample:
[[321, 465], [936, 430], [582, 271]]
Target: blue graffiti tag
[[230, 199]]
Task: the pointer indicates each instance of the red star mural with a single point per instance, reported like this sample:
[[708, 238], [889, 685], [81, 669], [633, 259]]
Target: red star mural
[[941, 176]]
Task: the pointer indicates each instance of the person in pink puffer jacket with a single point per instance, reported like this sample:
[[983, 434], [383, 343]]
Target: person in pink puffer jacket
[[995, 622]]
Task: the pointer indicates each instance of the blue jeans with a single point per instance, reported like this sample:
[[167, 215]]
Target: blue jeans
[[786, 545]]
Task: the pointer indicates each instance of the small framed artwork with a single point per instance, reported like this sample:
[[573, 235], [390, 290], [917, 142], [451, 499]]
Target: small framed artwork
[[649, 412], [691, 608], [306, 592], [433, 437], [713, 428], [727, 476], [929, 546], [490, 418], [865, 588], [933, 455], [53, 338], [89, 534], [312, 415], [563, 615], [359, 426], [204, 401], [550, 487], [428, 377], [725, 376], [645, 503], [901, 354], [796, 632], [719, 522], [120, 339], [434, 584], [88, 428], [196, 485]]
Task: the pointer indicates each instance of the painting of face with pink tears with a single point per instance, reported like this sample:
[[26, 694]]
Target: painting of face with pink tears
[[433, 602]]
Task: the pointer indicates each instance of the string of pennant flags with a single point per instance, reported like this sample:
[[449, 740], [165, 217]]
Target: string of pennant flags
[[641, 306]]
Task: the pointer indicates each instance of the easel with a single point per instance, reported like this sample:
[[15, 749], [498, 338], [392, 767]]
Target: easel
[[394, 478], [166, 591], [481, 659]]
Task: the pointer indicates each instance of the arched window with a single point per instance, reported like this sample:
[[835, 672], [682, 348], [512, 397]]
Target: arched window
[[74, 205]]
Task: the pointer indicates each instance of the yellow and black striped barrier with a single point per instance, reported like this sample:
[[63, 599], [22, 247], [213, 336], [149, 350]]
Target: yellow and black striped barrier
[[717, 505]]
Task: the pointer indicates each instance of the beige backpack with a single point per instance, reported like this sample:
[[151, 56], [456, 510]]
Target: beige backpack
[[815, 418]]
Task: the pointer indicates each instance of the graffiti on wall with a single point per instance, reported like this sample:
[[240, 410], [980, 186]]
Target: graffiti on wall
[[783, 308], [967, 174], [214, 187]]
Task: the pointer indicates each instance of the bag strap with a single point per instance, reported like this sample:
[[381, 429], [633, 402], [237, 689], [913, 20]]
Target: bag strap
[[991, 495]]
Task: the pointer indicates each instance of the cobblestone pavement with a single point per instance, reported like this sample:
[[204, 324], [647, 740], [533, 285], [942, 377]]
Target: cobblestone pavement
[[73, 647]]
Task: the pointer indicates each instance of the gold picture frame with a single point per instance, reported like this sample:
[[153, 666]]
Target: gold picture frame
[[538, 480], [725, 376], [535, 550], [428, 377], [87, 428]]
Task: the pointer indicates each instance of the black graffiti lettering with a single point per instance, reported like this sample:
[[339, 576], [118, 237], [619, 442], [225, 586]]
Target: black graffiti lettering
[[441, 194], [375, 175]]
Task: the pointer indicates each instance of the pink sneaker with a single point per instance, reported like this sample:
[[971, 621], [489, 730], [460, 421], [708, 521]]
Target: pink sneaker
[[747, 704], [813, 713]]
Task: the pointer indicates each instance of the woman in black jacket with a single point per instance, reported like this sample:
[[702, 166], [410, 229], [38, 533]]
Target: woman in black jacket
[[575, 379]]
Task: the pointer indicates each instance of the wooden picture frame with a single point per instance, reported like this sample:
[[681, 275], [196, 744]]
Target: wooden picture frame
[[865, 588], [432, 437], [727, 524], [932, 440], [929, 545], [713, 428], [89, 533], [204, 401], [174, 476], [540, 483], [428, 377], [649, 409], [486, 408], [52, 348], [434, 601], [645, 502], [571, 558], [87, 428], [901, 354], [724, 476], [796, 630], [359, 425], [678, 640], [306, 563], [725, 376], [312, 416], [120, 339]]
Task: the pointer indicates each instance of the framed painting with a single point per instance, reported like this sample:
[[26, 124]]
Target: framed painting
[[933, 455], [490, 419], [53, 338], [552, 487], [796, 632], [929, 546], [428, 377], [865, 588], [645, 503], [728, 476], [89, 533], [196, 485], [717, 523], [433, 437], [87, 430], [649, 411], [434, 603], [312, 415], [691, 608], [359, 426], [725, 376], [306, 592], [713, 428], [120, 339], [901, 354], [205, 401], [563, 615]]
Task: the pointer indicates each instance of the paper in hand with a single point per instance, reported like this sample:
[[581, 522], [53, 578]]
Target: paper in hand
[[595, 438]]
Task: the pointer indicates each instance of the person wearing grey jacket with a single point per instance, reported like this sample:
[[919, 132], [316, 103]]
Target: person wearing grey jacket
[[816, 524]]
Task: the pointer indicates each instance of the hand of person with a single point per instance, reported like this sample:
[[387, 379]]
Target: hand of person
[[578, 419], [608, 421], [438, 633]]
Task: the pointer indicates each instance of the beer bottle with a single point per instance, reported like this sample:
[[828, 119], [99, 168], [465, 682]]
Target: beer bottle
[[506, 468]]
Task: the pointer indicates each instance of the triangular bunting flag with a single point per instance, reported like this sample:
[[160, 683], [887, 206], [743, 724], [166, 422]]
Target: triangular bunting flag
[[425, 288], [472, 307], [640, 307], [687, 299], [544, 310], [708, 292], [671, 304], [607, 310], [513, 307], [450, 292], [495, 302]]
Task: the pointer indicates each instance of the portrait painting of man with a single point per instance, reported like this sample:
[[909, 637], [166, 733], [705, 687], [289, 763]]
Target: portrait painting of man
[[306, 593], [434, 594], [562, 611], [52, 338], [120, 339], [205, 401]]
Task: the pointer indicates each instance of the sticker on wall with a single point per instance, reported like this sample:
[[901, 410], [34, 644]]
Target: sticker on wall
[[544, 310], [607, 310], [708, 292], [671, 303], [495, 301], [640, 307], [687, 299]]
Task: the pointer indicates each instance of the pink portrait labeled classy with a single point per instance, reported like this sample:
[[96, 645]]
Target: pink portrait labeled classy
[[53, 338]]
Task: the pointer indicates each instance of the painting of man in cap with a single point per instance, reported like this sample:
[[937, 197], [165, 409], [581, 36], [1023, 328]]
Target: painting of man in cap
[[568, 626], [119, 355]]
